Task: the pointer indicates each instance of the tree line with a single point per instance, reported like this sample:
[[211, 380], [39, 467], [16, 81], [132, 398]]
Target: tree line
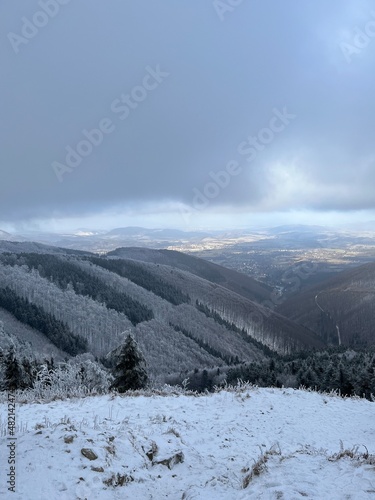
[[56, 331], [231, 326], [350, 372], [336, 369], [140, 276], [65, 274], [128, 372], [229, 360]]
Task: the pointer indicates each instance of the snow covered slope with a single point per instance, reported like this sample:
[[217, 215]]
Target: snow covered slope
[[250, 443]]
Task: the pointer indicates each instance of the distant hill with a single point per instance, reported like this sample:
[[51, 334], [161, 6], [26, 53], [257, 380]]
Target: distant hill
[[228, 278], [154, 233], [102, 241], [5, 236], [297, 229], [33, 247], [340, 309]]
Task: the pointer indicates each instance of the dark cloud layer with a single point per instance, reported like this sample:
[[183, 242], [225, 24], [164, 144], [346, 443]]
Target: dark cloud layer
[[174, 91]]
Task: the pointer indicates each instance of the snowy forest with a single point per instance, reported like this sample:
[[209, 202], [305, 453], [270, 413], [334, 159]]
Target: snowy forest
[[65, 318]]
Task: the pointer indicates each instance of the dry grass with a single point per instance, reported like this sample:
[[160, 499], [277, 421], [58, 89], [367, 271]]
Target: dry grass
[[353, 454], [259, 466], [118, 480], [172, 430]]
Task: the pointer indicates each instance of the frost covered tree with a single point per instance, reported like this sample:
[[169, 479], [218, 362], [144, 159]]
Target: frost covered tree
[[130, 372], [90, 374]]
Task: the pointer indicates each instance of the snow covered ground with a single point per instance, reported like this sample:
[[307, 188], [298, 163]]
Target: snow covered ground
[[255, 443]]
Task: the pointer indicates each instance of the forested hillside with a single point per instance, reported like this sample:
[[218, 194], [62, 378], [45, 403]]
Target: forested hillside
[[55, 330], [228, 278], [260, 323], [339, 310], [57, 304], [181, 321]]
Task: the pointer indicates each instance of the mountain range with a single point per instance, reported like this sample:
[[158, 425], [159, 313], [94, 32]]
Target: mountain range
[[186, 313]]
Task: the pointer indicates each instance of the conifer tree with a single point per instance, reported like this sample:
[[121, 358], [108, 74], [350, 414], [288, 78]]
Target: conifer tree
[[13, 373], [130, 373]]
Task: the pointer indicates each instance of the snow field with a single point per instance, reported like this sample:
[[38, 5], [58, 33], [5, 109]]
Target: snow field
[[279, 443]]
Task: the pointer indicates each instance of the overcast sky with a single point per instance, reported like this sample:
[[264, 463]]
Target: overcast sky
[[186, 112]]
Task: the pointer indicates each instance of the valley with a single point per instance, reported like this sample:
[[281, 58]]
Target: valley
[[201, 303]]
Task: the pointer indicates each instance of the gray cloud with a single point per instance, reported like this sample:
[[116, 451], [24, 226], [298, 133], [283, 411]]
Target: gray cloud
[[225, 78]]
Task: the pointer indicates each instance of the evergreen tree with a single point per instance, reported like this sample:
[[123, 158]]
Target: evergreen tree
[[13, 373], [28, 373], [130, 373]]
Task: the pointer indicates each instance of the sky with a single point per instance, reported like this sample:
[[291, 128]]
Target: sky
[[196, 113]]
